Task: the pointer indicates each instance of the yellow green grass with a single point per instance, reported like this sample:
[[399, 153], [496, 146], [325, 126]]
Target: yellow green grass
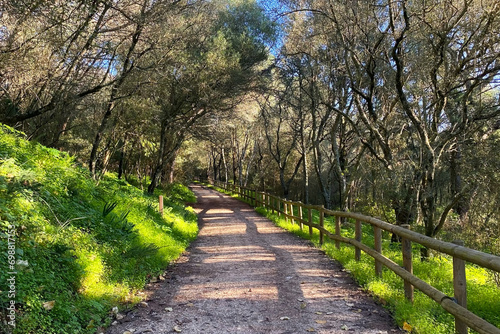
[[82, 247], [424, 316]]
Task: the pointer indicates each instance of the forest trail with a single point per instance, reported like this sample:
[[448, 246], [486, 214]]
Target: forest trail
[[245, 275]]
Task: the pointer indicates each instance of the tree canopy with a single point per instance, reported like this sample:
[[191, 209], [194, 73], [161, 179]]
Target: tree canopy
[[390, 108]]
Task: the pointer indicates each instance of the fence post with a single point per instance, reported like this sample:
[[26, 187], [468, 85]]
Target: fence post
[[321, 223], [285, 204], [160, 205], [460, 288], [357, 236], [337, 231], [291, 213], [264, 200], [407, 264], [310, 216], [301, 216], [279, 206], [377, 233]]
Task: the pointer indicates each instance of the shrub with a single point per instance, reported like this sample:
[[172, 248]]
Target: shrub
[[81, 248]]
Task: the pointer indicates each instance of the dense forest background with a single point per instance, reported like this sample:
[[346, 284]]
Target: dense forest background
[[390, 108]]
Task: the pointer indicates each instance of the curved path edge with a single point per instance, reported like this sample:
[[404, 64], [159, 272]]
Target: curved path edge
[[245, 275]]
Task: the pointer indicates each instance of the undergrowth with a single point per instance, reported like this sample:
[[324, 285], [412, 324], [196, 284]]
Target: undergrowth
[[80, 248]]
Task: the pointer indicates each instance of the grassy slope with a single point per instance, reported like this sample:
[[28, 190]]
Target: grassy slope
[[88, 247], [424, 316]]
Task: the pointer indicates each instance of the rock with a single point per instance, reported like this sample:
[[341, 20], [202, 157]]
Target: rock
[[49, 305], [119, 316]]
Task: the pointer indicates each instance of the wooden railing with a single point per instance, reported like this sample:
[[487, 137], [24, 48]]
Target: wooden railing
[[456, 305]]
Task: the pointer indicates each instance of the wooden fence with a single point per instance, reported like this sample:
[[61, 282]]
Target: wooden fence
[[456, 305]]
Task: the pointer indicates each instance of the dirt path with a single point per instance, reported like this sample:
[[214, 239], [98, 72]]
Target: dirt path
[[244, 275]]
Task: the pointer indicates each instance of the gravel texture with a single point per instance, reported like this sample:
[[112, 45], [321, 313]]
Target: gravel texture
[[245, 275]]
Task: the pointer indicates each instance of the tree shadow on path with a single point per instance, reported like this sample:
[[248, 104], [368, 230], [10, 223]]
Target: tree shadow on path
[[245, 275]]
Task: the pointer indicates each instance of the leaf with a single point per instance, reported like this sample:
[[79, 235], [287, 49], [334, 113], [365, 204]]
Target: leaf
[[311, 330], [321, 322], [407, 327], [344, 327], [49, 305], [177, 329], [168, 309], [319, 313], [284, 318]]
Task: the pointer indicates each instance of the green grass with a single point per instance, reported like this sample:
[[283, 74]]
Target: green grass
[[424, 315], [81, 248]]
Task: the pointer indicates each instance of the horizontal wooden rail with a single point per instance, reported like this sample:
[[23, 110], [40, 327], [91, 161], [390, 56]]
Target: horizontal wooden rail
[[468, 254], [463, 317]]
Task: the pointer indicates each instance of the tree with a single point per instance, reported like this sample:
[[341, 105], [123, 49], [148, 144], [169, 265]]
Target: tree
[[417, 75], [210, 76]]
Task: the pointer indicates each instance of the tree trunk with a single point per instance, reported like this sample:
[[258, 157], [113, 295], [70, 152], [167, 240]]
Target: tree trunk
[[121, 163], [226, 168], [157, 170], [100, 132], [461, 207], [306, 177], [127, 68]]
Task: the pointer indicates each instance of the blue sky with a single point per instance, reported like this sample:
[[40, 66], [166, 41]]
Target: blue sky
[[274, 8]]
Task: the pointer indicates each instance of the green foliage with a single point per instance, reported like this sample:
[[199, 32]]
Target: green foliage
[[81, 247], [425, 316], [248, 30], [180, 193], [108, 207]]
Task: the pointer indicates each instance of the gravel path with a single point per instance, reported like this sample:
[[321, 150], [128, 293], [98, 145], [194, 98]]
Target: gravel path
[[245, 275]]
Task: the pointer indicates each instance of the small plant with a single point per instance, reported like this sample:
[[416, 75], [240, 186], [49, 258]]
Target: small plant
[[141, 251], [108, 207]]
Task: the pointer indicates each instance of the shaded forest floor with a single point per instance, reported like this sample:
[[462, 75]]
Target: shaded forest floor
[[245, 275]]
